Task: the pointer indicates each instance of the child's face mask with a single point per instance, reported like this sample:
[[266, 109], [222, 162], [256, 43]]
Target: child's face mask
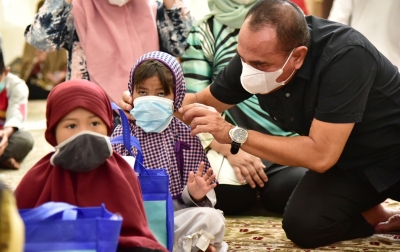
[[152, 113], [82, 152], [2, 83]]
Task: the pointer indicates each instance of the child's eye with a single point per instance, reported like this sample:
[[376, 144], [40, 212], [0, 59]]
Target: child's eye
[[95, 124], [142, 93], [161, 94], [71, 126]]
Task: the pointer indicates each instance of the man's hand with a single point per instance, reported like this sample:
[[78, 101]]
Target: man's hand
[[3, 141], [248, 168], [199, 185], [206, 119], [126, 104]]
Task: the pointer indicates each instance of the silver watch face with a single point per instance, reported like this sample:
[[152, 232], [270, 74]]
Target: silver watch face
[[239, 135]]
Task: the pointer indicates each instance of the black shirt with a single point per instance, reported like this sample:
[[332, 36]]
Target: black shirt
[[344, 79]]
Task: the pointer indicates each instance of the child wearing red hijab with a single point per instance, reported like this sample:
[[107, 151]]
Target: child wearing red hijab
[[84, 171]]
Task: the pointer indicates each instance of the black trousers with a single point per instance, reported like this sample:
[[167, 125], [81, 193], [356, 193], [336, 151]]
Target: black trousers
[[37, 93], [235, 200], [326, 208]]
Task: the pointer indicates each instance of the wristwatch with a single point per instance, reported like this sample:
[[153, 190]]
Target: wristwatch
[[238, 136]]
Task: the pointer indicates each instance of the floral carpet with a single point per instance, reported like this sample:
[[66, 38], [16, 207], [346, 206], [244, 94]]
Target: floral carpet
[[260, 233]]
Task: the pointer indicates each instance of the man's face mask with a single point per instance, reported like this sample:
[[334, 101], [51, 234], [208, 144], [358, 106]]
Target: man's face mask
[[152, 113], [120, 3], [255, 81], [82, 152]]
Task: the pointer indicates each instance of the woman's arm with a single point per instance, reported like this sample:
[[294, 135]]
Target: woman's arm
[[53, 26], [173, 27]]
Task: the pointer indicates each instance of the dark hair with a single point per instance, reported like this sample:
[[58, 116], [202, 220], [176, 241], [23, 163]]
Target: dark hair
[[150, 68], [286, 17], [2, 66]]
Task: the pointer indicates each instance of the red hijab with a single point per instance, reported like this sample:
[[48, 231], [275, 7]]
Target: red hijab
[[114, 183]]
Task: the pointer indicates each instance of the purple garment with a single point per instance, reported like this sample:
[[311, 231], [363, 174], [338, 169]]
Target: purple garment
[[174, 148]]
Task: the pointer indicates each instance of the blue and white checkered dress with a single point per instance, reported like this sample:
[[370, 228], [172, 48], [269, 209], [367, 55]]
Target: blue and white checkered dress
[[174, 148]]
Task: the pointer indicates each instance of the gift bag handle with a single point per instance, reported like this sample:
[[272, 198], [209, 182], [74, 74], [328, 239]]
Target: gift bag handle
[[50, 209], [128, 141]]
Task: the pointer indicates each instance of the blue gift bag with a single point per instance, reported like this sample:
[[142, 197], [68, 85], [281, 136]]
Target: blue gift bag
[[155, 189], [58, 226]]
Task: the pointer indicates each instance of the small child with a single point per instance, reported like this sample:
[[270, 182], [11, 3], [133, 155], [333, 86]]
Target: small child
[[158, 88], [84, 171]]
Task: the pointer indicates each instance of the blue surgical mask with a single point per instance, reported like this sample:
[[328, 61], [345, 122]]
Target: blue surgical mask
[[152, 113], [2, 83]]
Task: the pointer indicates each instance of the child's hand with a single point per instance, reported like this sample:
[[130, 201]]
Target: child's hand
[[199, 186]]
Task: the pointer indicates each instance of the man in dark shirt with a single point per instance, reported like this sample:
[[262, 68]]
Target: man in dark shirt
[[328, 83]]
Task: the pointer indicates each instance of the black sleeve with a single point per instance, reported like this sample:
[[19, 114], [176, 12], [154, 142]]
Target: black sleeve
[[345, 86], [227, 87]]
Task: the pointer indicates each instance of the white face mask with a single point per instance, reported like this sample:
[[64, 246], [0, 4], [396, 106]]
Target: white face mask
[[118, 2], [256, 81]]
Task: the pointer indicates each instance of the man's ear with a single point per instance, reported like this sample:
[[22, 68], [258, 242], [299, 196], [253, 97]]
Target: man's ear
[[299, 54]]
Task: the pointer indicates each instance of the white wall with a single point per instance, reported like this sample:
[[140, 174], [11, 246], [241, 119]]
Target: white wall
[[15, 15], [198, 8]]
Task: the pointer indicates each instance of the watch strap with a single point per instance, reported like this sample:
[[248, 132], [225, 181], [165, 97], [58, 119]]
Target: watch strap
[[235, 147]]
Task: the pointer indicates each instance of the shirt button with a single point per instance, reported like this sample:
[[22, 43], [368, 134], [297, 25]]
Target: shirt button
[[287, 94], [274, 118], [291, 119]]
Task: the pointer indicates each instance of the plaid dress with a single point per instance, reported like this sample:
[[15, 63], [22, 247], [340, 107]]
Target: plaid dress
[[174, 148]]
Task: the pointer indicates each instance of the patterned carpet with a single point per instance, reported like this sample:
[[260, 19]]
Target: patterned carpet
[[243, 233], [259, 233]]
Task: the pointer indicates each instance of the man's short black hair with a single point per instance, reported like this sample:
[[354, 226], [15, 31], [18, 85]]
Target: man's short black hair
[[286, 17], [2, 66]]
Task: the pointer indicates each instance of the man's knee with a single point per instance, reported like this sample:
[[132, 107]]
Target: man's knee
[[308, 231]]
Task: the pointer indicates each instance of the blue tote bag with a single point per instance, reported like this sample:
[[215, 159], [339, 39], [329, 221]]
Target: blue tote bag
[[58, 226], [155, 189]]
